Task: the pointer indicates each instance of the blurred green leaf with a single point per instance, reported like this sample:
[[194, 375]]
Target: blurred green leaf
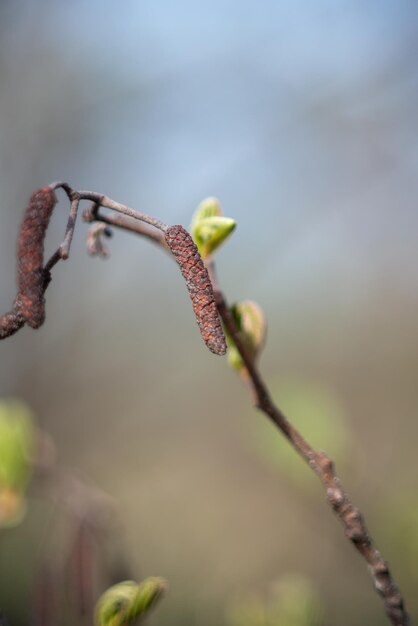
[[126, 602], [17, 444], [292, 601], [398, 516], [209, 228], [318, 415], [249, 611], [295, 602], [251, 323]]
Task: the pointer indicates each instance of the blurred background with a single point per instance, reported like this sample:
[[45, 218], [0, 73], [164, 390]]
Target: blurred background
[[302, 118]]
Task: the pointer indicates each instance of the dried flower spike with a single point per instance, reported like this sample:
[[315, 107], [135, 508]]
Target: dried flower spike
[[200, 288], [30, 252]]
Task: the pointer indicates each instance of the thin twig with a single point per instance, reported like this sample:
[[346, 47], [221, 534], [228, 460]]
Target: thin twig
[[349, 515], [108, 203], [92, 214]]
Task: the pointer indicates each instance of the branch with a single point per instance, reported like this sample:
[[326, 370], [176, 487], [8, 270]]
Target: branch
[[92, 214], [349, 515], [207, 302], [33, 276]]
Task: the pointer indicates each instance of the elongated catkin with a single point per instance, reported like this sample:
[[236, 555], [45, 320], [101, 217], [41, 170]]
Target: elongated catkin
[[30, 254], [200, 288]]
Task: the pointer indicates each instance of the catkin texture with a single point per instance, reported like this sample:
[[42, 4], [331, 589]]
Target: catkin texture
[[10, 323], [30, 253], [200, 288]]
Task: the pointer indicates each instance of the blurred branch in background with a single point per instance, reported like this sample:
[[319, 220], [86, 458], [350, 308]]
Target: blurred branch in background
[[82, 550], [244, 324]]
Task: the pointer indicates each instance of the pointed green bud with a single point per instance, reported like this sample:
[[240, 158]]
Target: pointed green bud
[[209, 207], [251, 323], [126, 602], [210, 232], [209, 228]]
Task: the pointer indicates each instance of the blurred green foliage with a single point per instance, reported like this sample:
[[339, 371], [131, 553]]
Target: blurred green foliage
[[17, 446], [293, 601], [209, 227], [400, 528], [317, 413]]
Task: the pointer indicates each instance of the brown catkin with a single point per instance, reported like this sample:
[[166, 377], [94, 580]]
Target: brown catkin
[[200, 288], [30, 254], [10, 323]]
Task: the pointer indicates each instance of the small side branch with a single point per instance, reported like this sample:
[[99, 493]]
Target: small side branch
[[93, 214]]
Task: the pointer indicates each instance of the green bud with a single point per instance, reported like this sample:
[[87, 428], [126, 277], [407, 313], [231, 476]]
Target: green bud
[[210, 232], [251, 324], [209, 207], [126, 602], [147, 596], [209, 228]]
